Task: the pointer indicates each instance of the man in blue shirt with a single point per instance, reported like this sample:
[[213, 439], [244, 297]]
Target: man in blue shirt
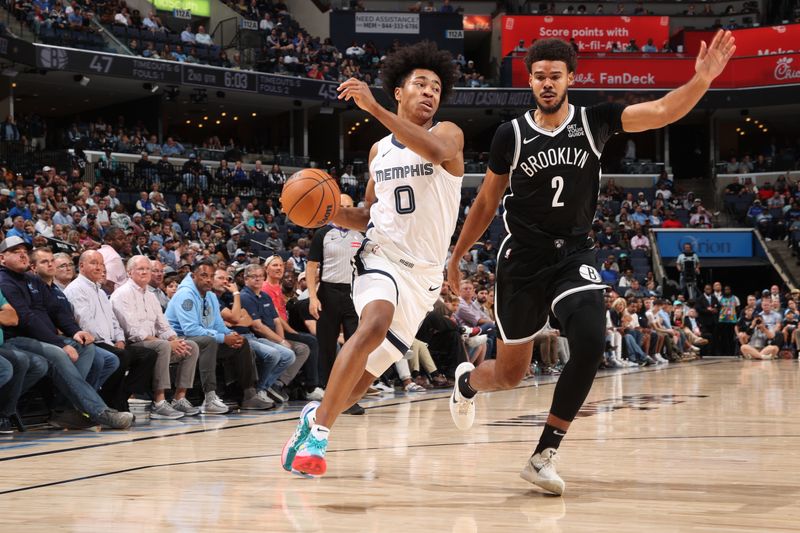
[[265, 334], [194, 313], [20, 209]]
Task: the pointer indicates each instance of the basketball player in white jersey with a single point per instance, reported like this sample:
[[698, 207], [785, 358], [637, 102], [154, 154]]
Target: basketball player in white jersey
[[410, 212]]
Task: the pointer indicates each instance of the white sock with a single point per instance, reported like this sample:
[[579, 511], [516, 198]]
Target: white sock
[[320, 432], [159, 404]]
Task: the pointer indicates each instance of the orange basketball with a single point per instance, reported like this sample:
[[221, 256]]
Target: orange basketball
[[310, 197]]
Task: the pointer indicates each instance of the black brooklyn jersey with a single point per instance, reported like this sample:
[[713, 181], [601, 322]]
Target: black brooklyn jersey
[[554, 176]]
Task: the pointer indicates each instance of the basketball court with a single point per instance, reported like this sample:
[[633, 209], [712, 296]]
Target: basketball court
[[706, 446]]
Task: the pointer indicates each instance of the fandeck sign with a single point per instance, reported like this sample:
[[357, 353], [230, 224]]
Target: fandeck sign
[[615, 71], [592, 34]]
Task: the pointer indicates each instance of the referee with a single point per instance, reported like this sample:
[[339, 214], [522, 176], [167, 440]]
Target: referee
[[332, 250]]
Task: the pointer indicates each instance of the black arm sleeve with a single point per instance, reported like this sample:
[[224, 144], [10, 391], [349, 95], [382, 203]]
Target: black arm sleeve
[[604, 121], [501, 154], [315, 253]]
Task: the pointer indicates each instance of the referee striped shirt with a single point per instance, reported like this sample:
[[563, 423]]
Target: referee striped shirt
[[333, 248]]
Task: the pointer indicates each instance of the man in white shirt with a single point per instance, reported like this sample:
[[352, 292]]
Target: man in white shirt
[[116, 244], [201, 37], [44, 226], [94, 314], [187, 36], [143, 322], [112, 199], [640, 241]]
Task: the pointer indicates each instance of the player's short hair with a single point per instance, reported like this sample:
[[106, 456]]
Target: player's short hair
[[552, 50], [399, 64]]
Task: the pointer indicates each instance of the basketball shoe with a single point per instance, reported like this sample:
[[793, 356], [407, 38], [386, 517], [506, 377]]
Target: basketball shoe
[[541, 471], [462, 409], [310, 457], [307, 416]]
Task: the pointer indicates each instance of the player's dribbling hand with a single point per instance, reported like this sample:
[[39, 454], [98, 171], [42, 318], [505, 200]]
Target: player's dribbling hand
[[711, 59], [359, 92]]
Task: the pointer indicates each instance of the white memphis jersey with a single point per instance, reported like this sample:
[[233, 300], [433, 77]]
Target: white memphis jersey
[[417, 204]]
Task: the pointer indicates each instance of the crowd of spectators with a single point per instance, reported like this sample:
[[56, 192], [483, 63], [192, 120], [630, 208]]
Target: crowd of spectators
[[61, 22], [650, 329]]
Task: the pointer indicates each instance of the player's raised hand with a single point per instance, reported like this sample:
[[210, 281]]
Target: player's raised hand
[[711, 59], [359, 92]]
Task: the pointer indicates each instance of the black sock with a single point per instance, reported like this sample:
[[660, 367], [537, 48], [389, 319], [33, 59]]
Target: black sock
[[464, 387], [551, 438]]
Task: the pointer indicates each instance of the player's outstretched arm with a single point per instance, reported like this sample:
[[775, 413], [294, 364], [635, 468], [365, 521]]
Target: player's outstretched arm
[[480, 216], [357, 218], [676, 104], [444, 144]]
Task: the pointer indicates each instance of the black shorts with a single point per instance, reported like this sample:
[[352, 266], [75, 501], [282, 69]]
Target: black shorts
[[531, 280]]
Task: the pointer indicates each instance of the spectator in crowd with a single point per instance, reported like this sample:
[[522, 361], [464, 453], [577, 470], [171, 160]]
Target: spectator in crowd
[[274, 267], [264, 333], [471, 314], [94, 314], [40, 318], [145, 326], [64, 270], [156, 283], [105, 363], [708, 310], [201, 37], [19, 371], [187, 36], [18, 230], [116, 246], [194, 312]]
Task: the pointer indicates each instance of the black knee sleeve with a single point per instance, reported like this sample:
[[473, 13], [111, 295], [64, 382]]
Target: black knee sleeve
[[583, 321]]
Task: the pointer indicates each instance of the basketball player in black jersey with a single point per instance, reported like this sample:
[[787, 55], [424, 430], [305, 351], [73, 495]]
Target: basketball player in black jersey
[[549, 160]]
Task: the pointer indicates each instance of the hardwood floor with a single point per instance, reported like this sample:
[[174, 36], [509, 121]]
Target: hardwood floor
[[709, 446]]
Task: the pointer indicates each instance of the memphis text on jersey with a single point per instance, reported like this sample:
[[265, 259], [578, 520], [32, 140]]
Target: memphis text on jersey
[[406, 171], [553, 157]]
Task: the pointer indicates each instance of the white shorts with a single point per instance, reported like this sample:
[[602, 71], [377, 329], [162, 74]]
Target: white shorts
[[412, 291]]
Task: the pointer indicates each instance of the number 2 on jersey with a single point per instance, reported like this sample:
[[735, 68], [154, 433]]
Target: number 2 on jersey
[[558, 184], [404, 200]]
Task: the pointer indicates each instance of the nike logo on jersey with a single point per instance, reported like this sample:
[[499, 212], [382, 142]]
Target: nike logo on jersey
[[386, 152], [526, 141], [434, 288]]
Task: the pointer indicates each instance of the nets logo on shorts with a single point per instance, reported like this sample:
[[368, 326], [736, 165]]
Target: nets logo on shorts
[[589, 273]]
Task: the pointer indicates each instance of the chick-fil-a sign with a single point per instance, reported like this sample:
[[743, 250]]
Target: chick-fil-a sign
[[591, 33]]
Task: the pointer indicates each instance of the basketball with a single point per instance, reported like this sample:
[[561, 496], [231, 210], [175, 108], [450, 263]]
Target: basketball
[[310, 197]]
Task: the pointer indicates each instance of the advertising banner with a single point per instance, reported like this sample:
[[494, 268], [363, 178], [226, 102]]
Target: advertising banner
[[707, 244], [751, 41], [407, 23], [383, 28], [592, 34], [616, 71], [198, 8]]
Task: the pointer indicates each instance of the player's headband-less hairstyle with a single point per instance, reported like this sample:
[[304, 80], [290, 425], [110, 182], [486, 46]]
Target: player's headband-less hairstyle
[[552, 50], [423, 55]]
